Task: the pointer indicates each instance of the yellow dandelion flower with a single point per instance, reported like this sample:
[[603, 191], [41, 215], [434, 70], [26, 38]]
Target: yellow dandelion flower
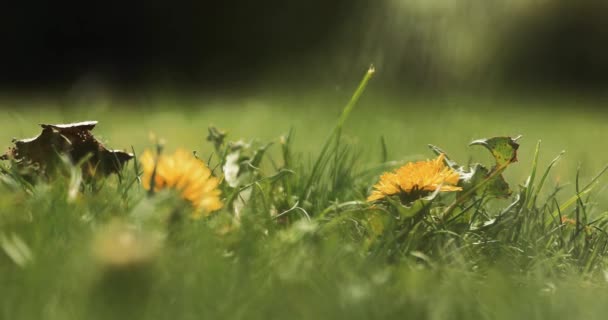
[[417, 178], [185, 173]]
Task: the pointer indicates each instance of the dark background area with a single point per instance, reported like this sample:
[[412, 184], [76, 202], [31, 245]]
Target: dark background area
[[565, 45], [48, 43], [54, 44]]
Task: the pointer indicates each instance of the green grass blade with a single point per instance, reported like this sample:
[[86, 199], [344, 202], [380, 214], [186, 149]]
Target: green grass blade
[[322, 159], [544, 177], [530, 182]]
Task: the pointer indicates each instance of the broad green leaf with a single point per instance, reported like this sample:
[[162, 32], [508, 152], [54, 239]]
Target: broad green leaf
[[412, 209], [479, 180], [504, 149], [495, 185]]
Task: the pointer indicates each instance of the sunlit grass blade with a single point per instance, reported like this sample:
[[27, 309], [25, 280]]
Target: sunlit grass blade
[[543, 179], [322, 158], [530, 183], [572, 200]]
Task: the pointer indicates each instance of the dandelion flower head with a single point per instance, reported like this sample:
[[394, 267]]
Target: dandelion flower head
[[417, 178], [185, 173]]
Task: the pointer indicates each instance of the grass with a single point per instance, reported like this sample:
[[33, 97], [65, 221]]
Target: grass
[[325, 253], [407, 123]]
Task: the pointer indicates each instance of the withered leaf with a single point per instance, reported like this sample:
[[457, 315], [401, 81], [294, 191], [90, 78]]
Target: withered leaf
[[73, 140]]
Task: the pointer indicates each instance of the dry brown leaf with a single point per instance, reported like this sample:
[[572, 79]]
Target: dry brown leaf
[[73, 140]]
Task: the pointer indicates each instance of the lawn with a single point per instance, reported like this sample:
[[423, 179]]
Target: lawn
[[407, 123], [334, 255]]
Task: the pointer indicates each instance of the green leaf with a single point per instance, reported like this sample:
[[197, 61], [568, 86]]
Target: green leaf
[[217, 137], [496, 185], [258, 155], [504, 149], [412, 209], [478, 180]]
